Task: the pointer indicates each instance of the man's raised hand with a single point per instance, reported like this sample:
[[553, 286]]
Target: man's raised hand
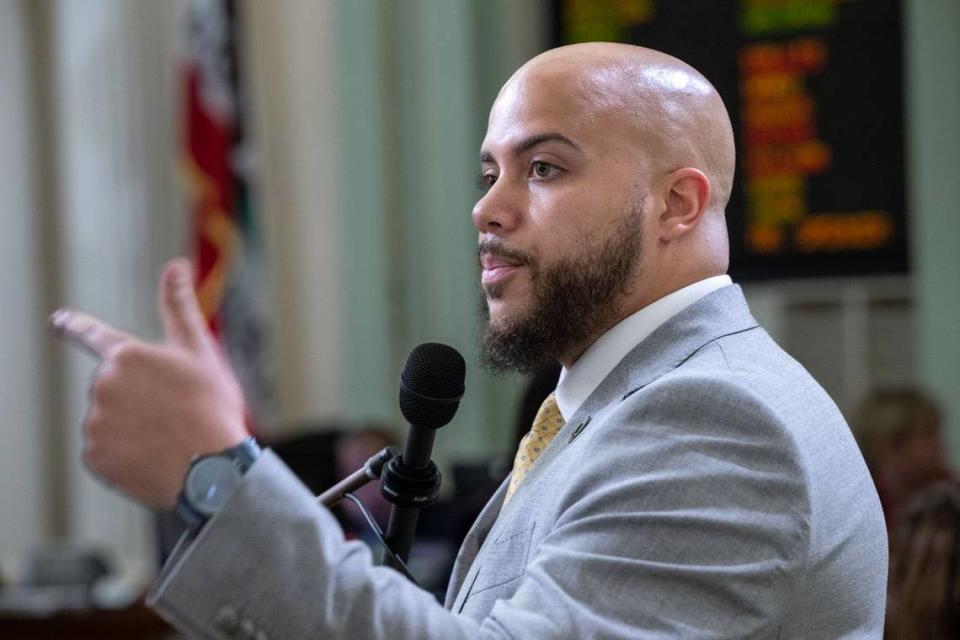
[[153, 407]]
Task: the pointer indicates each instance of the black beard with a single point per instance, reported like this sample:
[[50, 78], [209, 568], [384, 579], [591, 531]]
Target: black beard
[[574, 300]]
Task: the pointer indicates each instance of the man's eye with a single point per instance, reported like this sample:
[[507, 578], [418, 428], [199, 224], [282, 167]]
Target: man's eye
[[485, 181], [542, 169]]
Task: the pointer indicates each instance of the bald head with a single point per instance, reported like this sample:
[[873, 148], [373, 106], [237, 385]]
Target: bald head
[[607, 169], [678, 118]]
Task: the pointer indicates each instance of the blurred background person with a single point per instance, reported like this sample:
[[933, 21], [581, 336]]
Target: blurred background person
[[924, 598], [899, 433]]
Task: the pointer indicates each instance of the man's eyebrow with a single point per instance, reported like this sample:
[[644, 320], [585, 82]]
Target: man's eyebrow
[[529, 143]]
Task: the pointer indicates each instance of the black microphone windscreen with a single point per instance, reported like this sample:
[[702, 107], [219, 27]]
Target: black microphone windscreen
[[431, 385]]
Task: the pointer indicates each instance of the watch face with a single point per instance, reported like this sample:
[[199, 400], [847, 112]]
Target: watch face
[[210, 482]]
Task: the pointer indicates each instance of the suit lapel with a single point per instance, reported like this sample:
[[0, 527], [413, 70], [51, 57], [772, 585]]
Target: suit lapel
[[473, 541]]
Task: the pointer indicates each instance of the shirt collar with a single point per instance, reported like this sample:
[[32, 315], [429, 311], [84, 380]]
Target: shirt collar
[[578, 382]]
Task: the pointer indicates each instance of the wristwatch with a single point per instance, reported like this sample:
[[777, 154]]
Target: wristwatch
[[212, 479]]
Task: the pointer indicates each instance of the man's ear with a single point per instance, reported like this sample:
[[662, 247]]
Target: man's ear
[[687, 198]]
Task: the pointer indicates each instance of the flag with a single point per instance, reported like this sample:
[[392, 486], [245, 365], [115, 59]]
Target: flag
[[217, 165]]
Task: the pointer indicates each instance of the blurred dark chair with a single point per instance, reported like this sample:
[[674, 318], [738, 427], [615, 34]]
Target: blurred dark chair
[[311, 454]]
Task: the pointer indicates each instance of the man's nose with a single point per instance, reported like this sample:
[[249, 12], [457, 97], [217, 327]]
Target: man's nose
[[497, 211]]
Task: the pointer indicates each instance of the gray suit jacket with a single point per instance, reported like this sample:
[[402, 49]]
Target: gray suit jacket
[[708, 488]]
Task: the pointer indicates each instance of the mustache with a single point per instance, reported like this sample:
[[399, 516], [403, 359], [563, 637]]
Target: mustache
[[497, 249]]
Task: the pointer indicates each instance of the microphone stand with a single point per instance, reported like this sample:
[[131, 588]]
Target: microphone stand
[[407, 487], [410, 482], [370, 470]]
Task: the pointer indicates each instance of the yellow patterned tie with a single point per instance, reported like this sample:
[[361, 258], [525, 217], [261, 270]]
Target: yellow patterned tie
[[546, 425]]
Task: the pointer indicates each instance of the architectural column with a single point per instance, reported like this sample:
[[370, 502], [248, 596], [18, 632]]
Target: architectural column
[[113, 75], [289, 48], [22, 428]]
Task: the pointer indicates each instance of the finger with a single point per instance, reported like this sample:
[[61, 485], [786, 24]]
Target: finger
[[183, 321], [91, 333]]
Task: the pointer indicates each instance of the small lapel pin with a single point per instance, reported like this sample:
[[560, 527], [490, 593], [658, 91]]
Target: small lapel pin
[[579, 429]]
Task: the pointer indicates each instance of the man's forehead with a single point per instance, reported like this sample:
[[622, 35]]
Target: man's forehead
[[530, 96], [560, 83], [558, 78], [533, 107]]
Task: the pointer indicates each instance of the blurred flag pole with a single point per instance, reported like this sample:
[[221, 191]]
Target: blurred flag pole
[[217, 162]]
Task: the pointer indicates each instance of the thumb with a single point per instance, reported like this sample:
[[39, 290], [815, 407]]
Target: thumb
[[183, 321]]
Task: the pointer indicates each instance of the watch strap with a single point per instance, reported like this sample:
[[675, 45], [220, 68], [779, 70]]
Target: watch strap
[[185, 511], [243, 455]]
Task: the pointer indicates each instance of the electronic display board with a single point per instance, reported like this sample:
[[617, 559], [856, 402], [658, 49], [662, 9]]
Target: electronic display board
[[814, 90]]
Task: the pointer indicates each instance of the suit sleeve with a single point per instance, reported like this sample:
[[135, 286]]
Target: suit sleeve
[[692, 524], [273, 562]]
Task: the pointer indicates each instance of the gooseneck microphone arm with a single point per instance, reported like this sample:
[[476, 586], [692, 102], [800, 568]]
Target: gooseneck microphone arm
[[370, 470]]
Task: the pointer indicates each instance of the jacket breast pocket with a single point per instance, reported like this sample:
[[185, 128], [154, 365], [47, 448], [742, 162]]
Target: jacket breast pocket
[[504, 560]]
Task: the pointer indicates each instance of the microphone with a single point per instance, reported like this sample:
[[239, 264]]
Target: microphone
[[431, 386]]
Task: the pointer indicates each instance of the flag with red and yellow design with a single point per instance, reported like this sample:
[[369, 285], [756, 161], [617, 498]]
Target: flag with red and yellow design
[[216, 168]]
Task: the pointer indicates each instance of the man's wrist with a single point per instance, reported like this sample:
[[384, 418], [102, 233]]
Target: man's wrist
[[212, 479]]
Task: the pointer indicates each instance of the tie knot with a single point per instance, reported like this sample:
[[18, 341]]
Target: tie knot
[[549, 419]]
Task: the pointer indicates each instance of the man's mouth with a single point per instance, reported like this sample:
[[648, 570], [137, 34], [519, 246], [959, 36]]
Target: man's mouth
[[497, 268]]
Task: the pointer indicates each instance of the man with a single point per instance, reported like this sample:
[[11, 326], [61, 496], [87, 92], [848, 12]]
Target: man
[[688, 479], [900, 434]]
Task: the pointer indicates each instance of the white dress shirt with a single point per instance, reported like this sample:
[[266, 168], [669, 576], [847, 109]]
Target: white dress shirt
[[578, 382]]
